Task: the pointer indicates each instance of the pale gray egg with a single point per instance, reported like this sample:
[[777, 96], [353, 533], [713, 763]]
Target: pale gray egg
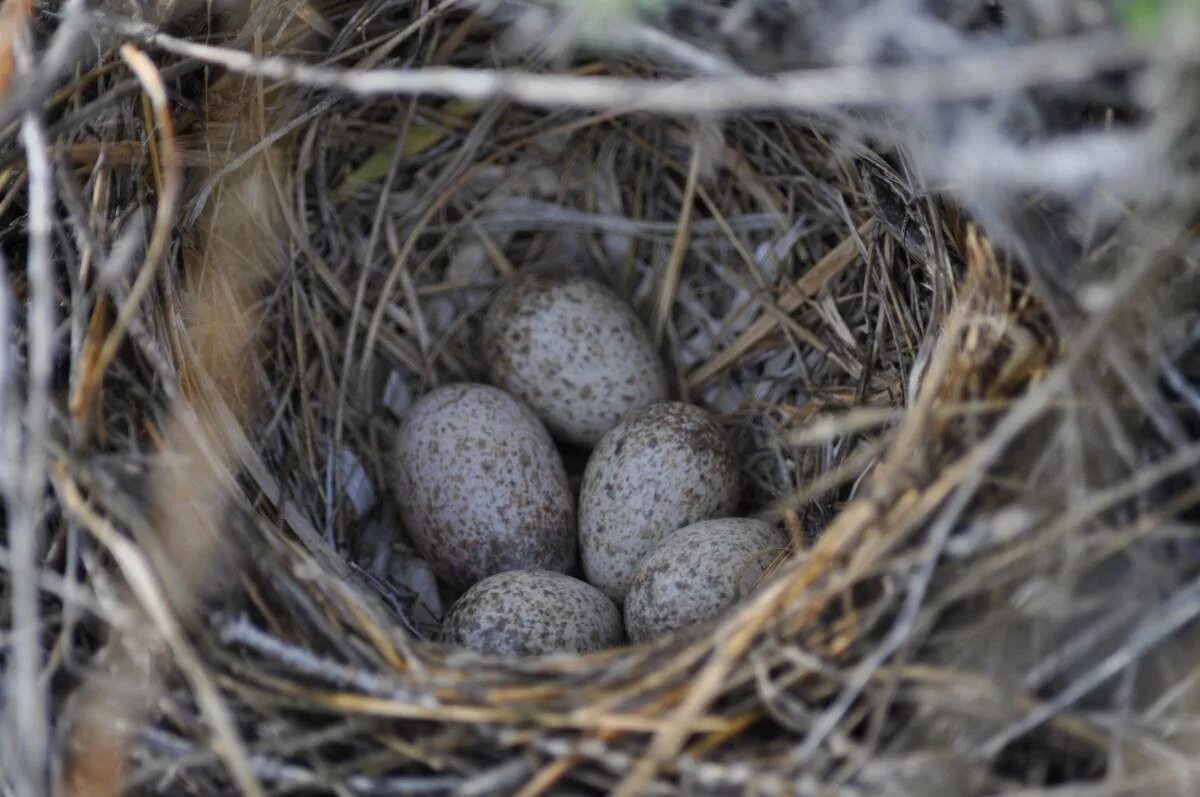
[[697, 573], [574, 351], [481, 487], [658, 470], [533, 612]]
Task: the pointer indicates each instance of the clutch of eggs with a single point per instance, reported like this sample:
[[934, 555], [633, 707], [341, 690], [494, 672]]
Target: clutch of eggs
[[484, 494]]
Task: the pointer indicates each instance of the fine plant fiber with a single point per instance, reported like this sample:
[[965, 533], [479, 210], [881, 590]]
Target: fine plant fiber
[[933, 263]]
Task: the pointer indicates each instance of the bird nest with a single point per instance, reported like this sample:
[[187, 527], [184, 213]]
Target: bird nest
[[931, 264]]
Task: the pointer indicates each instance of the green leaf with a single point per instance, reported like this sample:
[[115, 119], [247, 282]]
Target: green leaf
[[375, 168], [1149, 17], [1143, 17], [420, 138]]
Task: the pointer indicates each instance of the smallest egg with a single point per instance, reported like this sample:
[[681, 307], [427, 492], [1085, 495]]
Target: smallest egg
[[532, 613], [697, 573]]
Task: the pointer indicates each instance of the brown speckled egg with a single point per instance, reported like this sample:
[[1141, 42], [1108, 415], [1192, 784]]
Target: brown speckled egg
[[533, 612], [574, 351], [697, 573], [658, 470], [481, 487]]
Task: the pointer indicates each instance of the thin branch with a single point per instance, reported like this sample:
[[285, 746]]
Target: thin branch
[[965, 77], [28, 718], [243, 632]]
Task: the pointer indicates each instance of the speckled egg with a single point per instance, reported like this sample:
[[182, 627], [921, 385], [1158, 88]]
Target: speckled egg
[[481, 487], [574, 351], [697, 573], [532, 612], [658, 470]]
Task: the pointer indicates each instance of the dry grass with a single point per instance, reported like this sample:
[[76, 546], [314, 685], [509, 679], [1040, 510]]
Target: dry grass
[[966, 383]]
